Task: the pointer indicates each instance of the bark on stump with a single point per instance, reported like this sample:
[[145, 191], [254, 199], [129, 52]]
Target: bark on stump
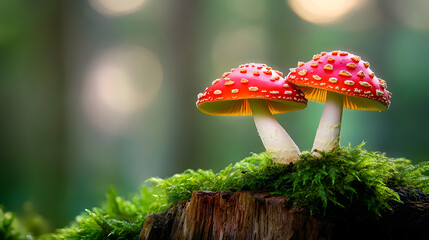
[[254, 215]]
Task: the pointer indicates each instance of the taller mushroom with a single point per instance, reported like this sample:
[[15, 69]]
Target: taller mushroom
[[341, 80], [256, 89]]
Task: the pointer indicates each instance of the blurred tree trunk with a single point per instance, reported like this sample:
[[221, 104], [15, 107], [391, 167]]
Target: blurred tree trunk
[[182, 43], [58, 129], [32, 100]]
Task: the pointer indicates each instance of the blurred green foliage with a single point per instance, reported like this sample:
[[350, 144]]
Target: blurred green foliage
[[116, 219], [8, 228]]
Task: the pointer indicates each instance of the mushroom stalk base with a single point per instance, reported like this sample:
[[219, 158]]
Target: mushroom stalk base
[[277, 142], [328, 132]]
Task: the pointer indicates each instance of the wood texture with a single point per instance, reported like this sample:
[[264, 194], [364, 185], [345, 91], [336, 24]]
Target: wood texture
[[253, 215]]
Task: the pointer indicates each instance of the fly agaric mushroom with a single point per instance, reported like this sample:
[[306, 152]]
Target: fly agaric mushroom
[[341, 80], [256, 89]]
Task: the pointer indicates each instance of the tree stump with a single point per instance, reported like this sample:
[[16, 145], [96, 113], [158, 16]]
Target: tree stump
[[259, 215]]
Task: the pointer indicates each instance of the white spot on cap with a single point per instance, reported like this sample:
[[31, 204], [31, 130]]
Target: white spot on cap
[[328, 67], [356, 58], [382, 83], [351, 65], [333, 80], [344, 73], [217, 92], [302, 72], [288, 92], [316, 77], [229, 82], [365, 84], [235, 90], [379, 92], [275, 78], [274, 92], [349, 82], [366, 64], [215, 81], [253, 89]]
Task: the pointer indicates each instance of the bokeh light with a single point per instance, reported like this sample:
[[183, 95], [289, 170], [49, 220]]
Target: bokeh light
[[119, 83], [323, 11], [112, 8]]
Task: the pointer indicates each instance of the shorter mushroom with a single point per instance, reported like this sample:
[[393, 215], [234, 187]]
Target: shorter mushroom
[[256, 89], [341, 80]]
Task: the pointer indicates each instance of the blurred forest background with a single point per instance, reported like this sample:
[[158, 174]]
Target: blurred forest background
[[96, 93]]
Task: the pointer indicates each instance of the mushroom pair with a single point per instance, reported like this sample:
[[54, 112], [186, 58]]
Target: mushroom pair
[[339, 79]]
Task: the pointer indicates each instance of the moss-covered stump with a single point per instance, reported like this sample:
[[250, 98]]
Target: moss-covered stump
[[256, 215]]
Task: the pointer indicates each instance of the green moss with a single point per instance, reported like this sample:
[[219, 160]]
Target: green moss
[[28, 226], [9, 227], [347, 178], [117, 218]]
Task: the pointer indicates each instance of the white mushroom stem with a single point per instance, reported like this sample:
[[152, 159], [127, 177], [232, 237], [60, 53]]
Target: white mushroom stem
[[328, 132], [277, 142]]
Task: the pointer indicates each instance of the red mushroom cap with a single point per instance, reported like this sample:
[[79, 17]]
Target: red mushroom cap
[[228, 95], [344, 73]]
